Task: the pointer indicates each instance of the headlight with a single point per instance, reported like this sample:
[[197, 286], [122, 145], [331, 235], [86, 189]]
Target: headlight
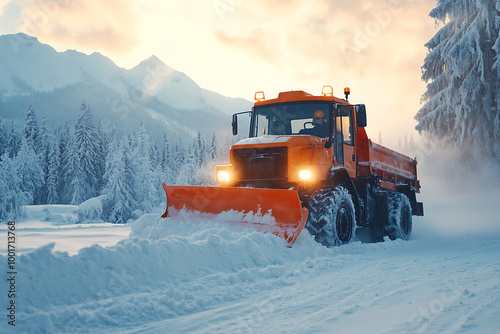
[[305, 175], [223, 176]]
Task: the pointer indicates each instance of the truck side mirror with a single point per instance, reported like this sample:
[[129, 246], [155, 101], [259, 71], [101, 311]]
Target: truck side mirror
[[234, 124], [329, 142], [361, 115]]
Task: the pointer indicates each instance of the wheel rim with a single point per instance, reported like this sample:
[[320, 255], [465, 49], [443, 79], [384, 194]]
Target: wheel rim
[[343, 225]]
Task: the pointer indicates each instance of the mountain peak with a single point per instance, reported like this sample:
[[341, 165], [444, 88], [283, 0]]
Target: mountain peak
[[21, 36], [153, 59], [19, 39], [155, 63]]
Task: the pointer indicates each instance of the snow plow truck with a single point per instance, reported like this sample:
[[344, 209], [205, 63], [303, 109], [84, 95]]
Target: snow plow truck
[[307, 162]]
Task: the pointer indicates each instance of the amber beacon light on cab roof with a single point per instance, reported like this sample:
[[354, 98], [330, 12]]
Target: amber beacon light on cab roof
[[307, 162]]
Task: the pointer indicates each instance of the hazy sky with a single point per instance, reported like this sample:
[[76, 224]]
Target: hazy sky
[[236, 47]]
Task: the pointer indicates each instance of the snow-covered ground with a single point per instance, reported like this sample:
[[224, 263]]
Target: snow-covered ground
[[57, 224], [171, 276]]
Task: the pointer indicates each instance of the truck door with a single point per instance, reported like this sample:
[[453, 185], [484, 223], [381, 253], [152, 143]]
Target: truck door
[[345, 150]]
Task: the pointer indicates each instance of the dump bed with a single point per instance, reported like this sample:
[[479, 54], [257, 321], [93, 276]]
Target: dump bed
[[393, 168]]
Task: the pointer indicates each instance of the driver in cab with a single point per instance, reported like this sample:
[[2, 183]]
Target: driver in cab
[[320, 126]]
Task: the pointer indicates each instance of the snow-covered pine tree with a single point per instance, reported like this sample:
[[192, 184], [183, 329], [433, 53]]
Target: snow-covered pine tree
[[199, 151], [54, 163], [178, 157], [165, 154], [142, 141], [74, 185], [42, 141], [12, 142], [87, 146], [31, 129], [43, 154], [3, 139], [462, 102], [119, 188], [63, 136], [129, 202], [12, 198], [159, 174], [154, 154], [213, 148], [146, 189], [111, 158], [165, 173], [28, 169], [102, 152]]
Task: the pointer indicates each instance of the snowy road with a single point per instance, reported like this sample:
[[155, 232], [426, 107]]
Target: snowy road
[[422, 286], [204, 277]]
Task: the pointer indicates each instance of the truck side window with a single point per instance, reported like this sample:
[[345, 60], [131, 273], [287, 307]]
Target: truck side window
[[347, 130], [261, 125], [347, 126], [339, 140]]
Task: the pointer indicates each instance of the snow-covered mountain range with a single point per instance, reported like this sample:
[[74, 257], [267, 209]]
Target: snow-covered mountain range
[[57, 83]]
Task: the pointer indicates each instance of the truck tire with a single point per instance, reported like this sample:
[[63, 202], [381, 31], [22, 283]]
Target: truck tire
[[400, 223], [331, 217]]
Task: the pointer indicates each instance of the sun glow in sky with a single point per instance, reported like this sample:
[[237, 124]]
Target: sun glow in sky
[[236, 47]]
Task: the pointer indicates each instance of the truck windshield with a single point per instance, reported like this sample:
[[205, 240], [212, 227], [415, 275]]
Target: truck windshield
[[309, 118]]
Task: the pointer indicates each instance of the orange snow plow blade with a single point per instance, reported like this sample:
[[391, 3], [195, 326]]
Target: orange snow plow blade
[[273, 211]]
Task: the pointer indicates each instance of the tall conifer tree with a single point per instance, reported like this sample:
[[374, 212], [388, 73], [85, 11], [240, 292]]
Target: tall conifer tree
[[462, 101]]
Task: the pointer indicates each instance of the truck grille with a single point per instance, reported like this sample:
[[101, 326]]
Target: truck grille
[[270, 163]]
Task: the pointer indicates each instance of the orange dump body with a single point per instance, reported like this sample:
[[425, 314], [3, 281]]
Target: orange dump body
[[392, 167]]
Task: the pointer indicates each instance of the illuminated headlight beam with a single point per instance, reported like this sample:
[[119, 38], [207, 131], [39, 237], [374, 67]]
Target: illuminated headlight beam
[[223, 176], [305, 175]]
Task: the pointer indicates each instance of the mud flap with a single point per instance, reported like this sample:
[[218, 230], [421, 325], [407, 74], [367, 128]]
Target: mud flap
[[275, 211]]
